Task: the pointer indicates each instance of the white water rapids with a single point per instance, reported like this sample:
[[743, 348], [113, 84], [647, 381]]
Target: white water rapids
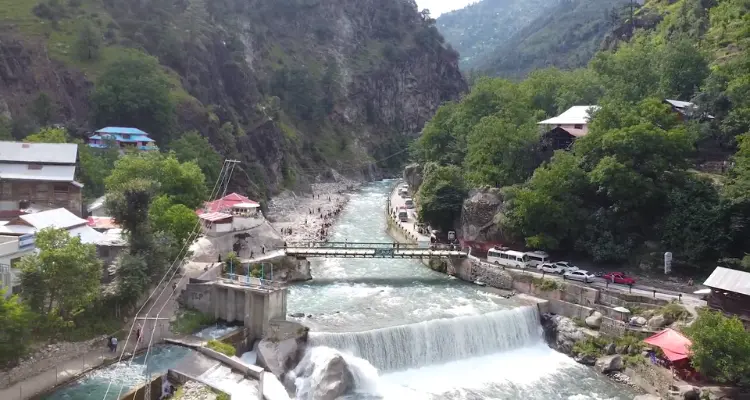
[[406, 332]]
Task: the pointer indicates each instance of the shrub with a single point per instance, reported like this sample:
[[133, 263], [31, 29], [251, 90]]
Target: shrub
[[190, 321], [590, 347], [223, 348], [674, 312], [546, 285]]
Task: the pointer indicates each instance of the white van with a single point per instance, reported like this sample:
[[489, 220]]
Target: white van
[[409, 203], [508, 258], [403, 216], [537, 258]]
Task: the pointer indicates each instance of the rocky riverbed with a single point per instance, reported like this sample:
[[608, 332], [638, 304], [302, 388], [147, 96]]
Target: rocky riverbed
[[308, 216]]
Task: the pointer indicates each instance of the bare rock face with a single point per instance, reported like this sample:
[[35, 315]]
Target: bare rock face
[[283, 347], [609, 364], [479, 216], [657, 322], [413, 176], [594, 320], [561, 332]]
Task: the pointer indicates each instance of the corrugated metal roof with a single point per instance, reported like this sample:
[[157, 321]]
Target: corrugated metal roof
[[121, 130], [113, 237], [576, 115], [58, 218], [53, 153], [215, 216], [87, 234], [679, 103], [54, 173], [730, 280], [97, 204]]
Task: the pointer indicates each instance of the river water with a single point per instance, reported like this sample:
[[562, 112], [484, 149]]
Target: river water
[[409, 332]]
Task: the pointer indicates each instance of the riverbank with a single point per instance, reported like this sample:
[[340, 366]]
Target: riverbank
[[309, 216]]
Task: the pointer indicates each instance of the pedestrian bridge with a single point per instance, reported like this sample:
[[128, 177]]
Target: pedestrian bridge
[[371, 250]]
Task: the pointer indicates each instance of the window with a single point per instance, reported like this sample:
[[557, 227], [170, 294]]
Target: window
[[35, 166], [7, 189], [60, 188], [578, 126]]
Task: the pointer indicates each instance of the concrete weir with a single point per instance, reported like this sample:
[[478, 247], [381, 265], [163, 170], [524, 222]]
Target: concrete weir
[[251, 301]]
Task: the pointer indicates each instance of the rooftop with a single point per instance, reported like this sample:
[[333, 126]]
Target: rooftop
[[679, 103], [215, 216], [39, 172], [122, 130], [226, 202], [38, 153], [576, 115], [58, 218], [729, 280]]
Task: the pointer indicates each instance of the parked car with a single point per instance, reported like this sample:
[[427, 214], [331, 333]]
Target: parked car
[[550, 268], [566, 266], [579, 275], [619, 277]]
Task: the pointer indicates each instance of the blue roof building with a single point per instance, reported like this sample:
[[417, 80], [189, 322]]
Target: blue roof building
[[126, 138]]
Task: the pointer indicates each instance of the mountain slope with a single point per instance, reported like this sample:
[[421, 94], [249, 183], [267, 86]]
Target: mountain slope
[[290, 87], [566, 36], [484, 26]]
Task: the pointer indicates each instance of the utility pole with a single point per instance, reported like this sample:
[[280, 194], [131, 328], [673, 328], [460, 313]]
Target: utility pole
[[632, 19]]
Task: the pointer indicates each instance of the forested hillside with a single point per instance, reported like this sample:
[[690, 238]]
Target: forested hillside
[[479, 29], [292, 88], [632, 187], [565, 36]]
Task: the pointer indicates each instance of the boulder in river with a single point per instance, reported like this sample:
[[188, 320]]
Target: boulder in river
[[609, 364], [657, 322], [561, 332], [323, 374]]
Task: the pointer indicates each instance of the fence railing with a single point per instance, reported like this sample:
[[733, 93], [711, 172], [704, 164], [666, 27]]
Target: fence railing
[[249, 281]]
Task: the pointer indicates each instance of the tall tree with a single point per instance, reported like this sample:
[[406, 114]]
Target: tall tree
[[16, 321], [196, 148], [721, 348], [89, 42], [64, 277]]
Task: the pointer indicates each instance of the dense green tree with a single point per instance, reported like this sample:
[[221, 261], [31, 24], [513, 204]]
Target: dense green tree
[[183, 182], [437, 142], [48, 135], [500, 153], [175, 219], [721, 348], [682, 68], [547, 212], [88, 43], [64, 277], [43, 109], [134, 91], [196, 148], [629, 72], [16, 320], [440, 196], [128, 203], [96, 166], [6, 128]]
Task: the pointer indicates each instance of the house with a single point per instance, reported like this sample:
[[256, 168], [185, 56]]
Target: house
[[96, 208], [730, 293], [216, 223], [112, 244], [12, 248], [574, 121], [60, 218], [123, 138], [232, 203], [39, 175], [687, 110]]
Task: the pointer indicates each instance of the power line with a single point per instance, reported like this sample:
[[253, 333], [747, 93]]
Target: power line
[[214, 191]]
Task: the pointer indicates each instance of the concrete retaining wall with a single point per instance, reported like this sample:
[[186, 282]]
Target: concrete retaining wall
[[182, 378], [139, 393], [627, 299], [247, 370], [198, 297]]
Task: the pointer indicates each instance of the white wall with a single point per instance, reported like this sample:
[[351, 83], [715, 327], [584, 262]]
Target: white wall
[[575, 131]]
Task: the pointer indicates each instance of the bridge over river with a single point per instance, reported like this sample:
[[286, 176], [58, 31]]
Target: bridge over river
[[371, 250]]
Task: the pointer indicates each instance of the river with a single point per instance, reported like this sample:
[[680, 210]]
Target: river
[[408, 331]]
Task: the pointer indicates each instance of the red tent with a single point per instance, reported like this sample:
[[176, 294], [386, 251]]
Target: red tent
[[672, 343]]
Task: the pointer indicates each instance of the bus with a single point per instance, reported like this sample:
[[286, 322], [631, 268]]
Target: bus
[[508, 258], [537, 258]]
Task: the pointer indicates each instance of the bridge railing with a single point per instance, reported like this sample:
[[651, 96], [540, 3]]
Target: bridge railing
[[351, 245], [249, 281]]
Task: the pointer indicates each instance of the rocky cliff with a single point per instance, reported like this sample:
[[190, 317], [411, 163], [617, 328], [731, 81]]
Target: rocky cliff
[[293, 88]]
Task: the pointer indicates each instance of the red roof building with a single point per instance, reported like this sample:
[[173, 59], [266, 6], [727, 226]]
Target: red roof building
[[225, 203]]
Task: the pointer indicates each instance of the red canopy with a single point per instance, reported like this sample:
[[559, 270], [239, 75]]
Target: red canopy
[[672, 343]]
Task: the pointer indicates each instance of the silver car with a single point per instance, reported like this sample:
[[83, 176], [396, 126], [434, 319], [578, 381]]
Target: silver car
[[579, 275]]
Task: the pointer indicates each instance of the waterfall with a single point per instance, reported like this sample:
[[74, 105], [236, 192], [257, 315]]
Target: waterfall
[[438, 341]]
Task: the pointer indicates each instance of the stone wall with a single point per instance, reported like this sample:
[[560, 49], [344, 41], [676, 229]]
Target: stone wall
[[472, 271]]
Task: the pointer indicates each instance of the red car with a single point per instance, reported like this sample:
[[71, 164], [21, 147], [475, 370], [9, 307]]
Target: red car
[[619, 277]]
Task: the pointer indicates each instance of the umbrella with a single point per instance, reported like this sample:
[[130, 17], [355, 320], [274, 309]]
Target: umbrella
[[703, 291]]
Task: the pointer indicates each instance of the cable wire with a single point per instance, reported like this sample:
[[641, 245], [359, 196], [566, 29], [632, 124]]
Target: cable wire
[[135, 318]]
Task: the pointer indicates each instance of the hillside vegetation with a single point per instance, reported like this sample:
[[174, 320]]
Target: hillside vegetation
[[565, 36], [291, 88], [628, 191], [481, 28]]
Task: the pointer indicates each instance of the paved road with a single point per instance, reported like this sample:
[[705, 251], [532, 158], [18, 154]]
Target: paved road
[[396, 203]]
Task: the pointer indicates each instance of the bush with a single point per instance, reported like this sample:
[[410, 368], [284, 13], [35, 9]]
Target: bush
[[546, 285], [590, 347], [223, 348], [190, 321], [674, 312], [721, 348]]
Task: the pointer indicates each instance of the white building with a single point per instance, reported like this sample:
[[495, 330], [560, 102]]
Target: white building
[[12, 248], [216, 223], [575, 120]]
